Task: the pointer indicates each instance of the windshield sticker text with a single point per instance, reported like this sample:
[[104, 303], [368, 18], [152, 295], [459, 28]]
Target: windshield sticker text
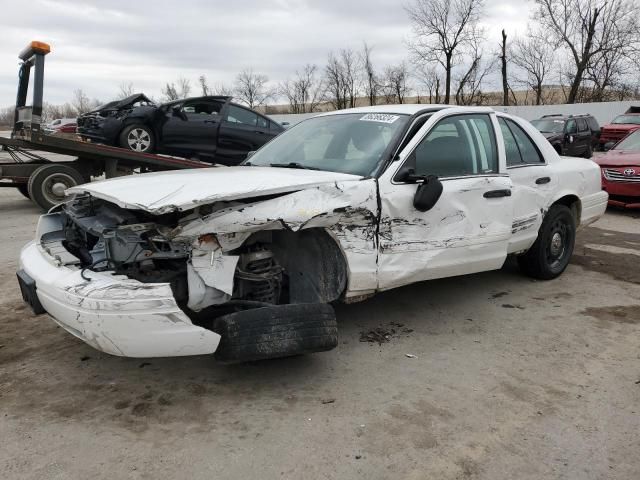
[[379, 117]]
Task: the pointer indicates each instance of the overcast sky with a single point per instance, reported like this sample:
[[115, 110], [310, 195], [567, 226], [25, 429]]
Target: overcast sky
[[150, 42]]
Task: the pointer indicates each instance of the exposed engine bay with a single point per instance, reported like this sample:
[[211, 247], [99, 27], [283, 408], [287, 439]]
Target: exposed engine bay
[[149, 248]]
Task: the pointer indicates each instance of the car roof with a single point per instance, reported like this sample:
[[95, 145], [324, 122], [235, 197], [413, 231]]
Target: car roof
[[405, 109]]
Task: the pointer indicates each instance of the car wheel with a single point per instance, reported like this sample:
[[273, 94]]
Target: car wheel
[[588, 152], [47, 184], [23, 188], [138, 138], [550, 254], [276, 331]]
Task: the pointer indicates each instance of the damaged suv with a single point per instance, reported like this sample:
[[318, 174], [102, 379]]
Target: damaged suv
[[245, 261]]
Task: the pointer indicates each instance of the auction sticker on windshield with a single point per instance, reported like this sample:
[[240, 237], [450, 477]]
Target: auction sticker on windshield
[[379, 117]]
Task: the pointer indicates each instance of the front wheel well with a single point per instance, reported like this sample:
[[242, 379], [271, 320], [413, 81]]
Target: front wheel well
[[573, 203], [314, 265]]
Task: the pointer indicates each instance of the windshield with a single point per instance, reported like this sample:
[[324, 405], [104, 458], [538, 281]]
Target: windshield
[[549, 126], [347, 143], [629, 119], [630, 142]]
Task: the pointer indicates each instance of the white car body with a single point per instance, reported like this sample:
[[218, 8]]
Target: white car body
[[385, 241]]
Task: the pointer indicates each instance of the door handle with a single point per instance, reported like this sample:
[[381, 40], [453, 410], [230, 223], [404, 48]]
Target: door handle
[[258, 131], [210, 121], [497, 193], [542, 180]]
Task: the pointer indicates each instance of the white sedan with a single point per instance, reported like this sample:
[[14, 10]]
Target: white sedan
[[245, 261]]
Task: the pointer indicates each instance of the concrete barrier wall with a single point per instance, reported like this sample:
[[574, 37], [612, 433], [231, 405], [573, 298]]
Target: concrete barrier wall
[[603, 111]]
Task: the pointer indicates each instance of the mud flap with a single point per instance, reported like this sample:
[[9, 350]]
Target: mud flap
[[277, 331]]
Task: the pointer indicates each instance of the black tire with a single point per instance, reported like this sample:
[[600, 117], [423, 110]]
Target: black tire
[[588, 152], [23, 188], [550, 254], [138, 138], [277, 331], [46, 184]]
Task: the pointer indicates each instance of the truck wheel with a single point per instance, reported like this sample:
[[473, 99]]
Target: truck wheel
[[277, 331], [138, 138], [552, 250], [588, 153], [47, 184], [23, 188]]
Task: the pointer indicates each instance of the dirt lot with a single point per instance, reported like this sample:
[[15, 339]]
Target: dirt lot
[[512, 379]]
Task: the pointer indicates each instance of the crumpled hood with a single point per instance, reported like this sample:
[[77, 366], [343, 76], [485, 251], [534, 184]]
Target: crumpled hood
[[124, 103], [163, 192], [618, 158]]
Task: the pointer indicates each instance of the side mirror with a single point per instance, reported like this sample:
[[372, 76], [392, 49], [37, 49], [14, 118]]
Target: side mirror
[[427, 194], [177, 112], [609, 145]]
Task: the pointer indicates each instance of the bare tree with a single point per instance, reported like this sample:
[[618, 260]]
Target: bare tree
[[184, 87], [125, 90], [81, 101], [428, 77], [222, 89], [304, 92], [534, 56], [396, 83], [441, 28], [469, 89], [589, 29], [503, 61], [170, 92], [251, 88], [341, 78], [371, 84], [202, 79]]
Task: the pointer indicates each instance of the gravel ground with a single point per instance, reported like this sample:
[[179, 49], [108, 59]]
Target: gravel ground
[[511, 378]]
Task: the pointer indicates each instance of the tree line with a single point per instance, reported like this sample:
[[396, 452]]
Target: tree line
[[573, 51]]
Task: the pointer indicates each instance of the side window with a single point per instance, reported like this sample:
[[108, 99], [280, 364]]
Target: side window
[[519, 148], [571, 126], [241, 116], [263, 122], [510, 145], [582, 125], [459, 145], [196, 109]]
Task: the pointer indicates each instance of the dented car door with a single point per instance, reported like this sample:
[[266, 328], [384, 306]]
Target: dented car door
[[469, 227]]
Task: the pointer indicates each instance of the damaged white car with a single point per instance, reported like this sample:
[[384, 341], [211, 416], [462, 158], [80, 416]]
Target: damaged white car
[[245, 261]]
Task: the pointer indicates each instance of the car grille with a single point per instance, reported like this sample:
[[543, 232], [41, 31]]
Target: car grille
[[620, 176]]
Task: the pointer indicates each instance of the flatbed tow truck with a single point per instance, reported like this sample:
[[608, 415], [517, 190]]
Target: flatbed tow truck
[[44, 180]]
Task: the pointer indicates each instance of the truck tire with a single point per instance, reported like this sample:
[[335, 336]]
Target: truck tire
[[138, 138], [47, 184], [277, 331], [588, 153], [550, 254]]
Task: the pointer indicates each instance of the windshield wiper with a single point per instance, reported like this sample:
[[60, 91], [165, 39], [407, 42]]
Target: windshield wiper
[[293, 165]]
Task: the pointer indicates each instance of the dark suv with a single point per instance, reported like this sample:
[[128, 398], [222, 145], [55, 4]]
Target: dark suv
[[571, 135]]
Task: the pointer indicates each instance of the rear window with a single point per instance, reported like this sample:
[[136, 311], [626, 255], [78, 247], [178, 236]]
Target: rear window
[[628, 119]]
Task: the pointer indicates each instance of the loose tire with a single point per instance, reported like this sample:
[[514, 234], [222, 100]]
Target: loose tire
[[138, 138], [552, 250], [47, 184], [277, 331], [24, 190]]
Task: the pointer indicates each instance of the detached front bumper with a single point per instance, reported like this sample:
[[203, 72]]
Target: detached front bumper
[[112, 313]]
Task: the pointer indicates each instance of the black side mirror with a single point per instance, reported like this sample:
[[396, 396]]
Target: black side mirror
[[177, 112], [427, 194]]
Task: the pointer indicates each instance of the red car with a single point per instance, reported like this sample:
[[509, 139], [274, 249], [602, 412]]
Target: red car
[[621, 126], [620, 168]]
